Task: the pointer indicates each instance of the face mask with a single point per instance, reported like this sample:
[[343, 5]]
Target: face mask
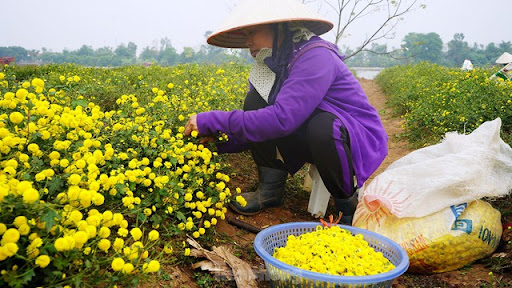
[[261, 77]]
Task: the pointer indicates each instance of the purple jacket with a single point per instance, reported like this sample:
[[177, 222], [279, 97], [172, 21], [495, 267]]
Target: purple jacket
[[318, 79]]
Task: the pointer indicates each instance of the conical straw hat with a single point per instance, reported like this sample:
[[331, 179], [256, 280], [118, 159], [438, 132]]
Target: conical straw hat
[[256, 12], [505, 58]]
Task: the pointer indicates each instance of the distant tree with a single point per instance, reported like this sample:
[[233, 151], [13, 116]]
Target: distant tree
[[478, 56], [104, 56], [132, 48], [104, 51], [212, 54], [242, 55], [128, 53], [505, 46], [376, 56], [168, 56], [491, 53], [165, 43], [423, 47], [187, 55], [148, 54], [85, 51], [20, 53], [458, 50], [116, 61], [51, 57]]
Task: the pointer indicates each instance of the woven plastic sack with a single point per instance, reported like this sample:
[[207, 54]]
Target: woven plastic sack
[[443, 241], [460, 169], [417, 200]]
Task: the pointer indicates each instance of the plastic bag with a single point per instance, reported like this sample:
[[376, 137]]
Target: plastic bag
[[467, 65], [446, 240], [417, 200], [460, 169]]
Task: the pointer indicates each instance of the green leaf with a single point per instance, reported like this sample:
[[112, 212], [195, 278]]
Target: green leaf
[[79, 102], [27, 276], [37, 134], [59, 263], [120, 188], [135, 282], [180, 216], [55, 185], [78, 282], [142, 217], [155, 219], [36, 163], [49, 218]]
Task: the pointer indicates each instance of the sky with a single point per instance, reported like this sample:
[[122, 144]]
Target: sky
[[58, 24]]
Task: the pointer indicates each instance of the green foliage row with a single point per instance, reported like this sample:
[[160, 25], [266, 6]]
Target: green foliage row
[[126, 55], [433, 100], [418, 47], [104, 85]]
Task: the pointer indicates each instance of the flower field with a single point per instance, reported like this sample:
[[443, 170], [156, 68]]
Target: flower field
[[433, 100], [97, 180]]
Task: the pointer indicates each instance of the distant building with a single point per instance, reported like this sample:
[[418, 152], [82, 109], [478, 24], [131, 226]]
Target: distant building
[[6, 60]]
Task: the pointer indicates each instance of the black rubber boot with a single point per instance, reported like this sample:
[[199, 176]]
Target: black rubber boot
[[347, 207], [270, 192]]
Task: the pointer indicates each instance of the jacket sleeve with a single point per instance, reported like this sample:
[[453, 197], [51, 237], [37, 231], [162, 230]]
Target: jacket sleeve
[[308, 82]]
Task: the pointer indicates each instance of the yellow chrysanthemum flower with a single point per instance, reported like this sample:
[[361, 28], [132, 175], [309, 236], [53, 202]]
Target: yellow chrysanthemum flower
[[43, 261], [104, 245], [37, 82], [30, 195], [136, 233], [118, 264], [153, 235], [10, 236], [16, 117], [128, 268], [151, 267]]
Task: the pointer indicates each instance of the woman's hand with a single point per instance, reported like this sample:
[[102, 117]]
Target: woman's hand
[[191, 125]]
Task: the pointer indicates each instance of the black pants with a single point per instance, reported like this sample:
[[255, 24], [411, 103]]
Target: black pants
[[315, 141]]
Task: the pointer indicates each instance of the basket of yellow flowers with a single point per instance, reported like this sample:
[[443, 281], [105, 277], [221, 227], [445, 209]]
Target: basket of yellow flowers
[[307, 254]]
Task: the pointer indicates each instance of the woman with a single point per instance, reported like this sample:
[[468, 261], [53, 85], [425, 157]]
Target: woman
[[303, 101]]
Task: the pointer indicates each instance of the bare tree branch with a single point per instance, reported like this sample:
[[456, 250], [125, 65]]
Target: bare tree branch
[[350, 11], [389, 53]]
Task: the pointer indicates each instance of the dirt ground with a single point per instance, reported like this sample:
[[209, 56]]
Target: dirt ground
[[295, 209]]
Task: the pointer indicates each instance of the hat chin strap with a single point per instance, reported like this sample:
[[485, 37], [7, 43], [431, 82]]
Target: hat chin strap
[[276, 36]]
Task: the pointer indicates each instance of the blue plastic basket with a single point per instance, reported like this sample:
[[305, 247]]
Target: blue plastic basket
[[284, 275]]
